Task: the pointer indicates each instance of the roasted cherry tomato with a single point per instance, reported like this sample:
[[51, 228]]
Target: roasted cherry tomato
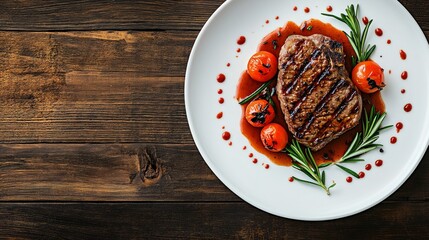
[[274, 137], [262, 66], [259, 113], [368, 76]]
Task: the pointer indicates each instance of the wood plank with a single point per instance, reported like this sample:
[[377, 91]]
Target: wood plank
[[41, 15], [202, 221], [93, 108], [44, 55], [117, 172], [129, 172], [52, 15]]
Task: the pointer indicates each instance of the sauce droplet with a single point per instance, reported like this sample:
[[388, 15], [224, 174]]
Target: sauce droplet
[[403, 54], [291, 179], [402, 91], [244, 147], [277, 17], [219, 115], [228, 64], [267, 21], [230, 143], [238, 50], [267, 166], [408, 107], [389, 41], [368, 167], [349, 179], [378, 163], [399, 126], [378, 32], [226, 135], [221, 100], [404, 75], [250, 155], [306, 9], [255, 161], [221, 78], [241, 40], [393, 140], [220, 91], [329, 8], [365, 20], [361, 174], [295, 8]]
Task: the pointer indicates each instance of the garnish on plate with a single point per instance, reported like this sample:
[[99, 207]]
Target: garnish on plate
[[303, 161]]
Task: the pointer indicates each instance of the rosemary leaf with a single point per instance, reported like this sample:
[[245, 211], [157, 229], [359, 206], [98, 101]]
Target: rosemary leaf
[[348, 170], [255, 93]]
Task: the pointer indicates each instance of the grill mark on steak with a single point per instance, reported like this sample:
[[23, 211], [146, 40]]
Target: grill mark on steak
[[337, 112], [297, 104], [316, 95], [304, 67], [310, 119]]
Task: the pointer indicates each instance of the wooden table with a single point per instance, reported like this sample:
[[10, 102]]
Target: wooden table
[[95, 141]]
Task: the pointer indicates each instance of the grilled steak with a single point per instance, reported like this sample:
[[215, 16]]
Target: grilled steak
[[317, 97]]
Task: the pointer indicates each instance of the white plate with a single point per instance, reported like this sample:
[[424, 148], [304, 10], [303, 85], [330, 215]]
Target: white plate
[[269, 189]]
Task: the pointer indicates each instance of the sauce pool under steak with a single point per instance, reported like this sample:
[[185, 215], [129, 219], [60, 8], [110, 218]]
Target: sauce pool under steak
[[273, 43]]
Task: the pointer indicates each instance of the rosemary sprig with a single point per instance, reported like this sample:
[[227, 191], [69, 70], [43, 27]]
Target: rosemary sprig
[[256, 92], [304, 162], [356, 37], [364, 141]]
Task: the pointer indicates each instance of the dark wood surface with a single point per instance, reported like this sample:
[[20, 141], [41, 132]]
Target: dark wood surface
[[94, 141]]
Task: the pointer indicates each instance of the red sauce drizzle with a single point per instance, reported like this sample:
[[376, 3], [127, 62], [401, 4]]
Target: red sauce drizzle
[[255, 161], [403, 54], [402, 91], [277, 17], [267, 21], [378, 163], [365, 20], [246, 85], [241, 40], [221, 78], [295, 8], [404, 75], [349, 179], [329, 8], [219, 115], [361, 174], [408, 107], [250, 155], [368, 167], [306, 9], [393, 140], [220, 91], [267, 166], [228, 64], [221, 100], [244, 147], [291, 179], [226, 135], [399, 126], [238, 49], [389, 41], [379, 32]]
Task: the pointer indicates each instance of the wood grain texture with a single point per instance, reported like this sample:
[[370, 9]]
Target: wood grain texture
[[202, 221], [130, 172], [97, 172], [54, 15], [41, 55]]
